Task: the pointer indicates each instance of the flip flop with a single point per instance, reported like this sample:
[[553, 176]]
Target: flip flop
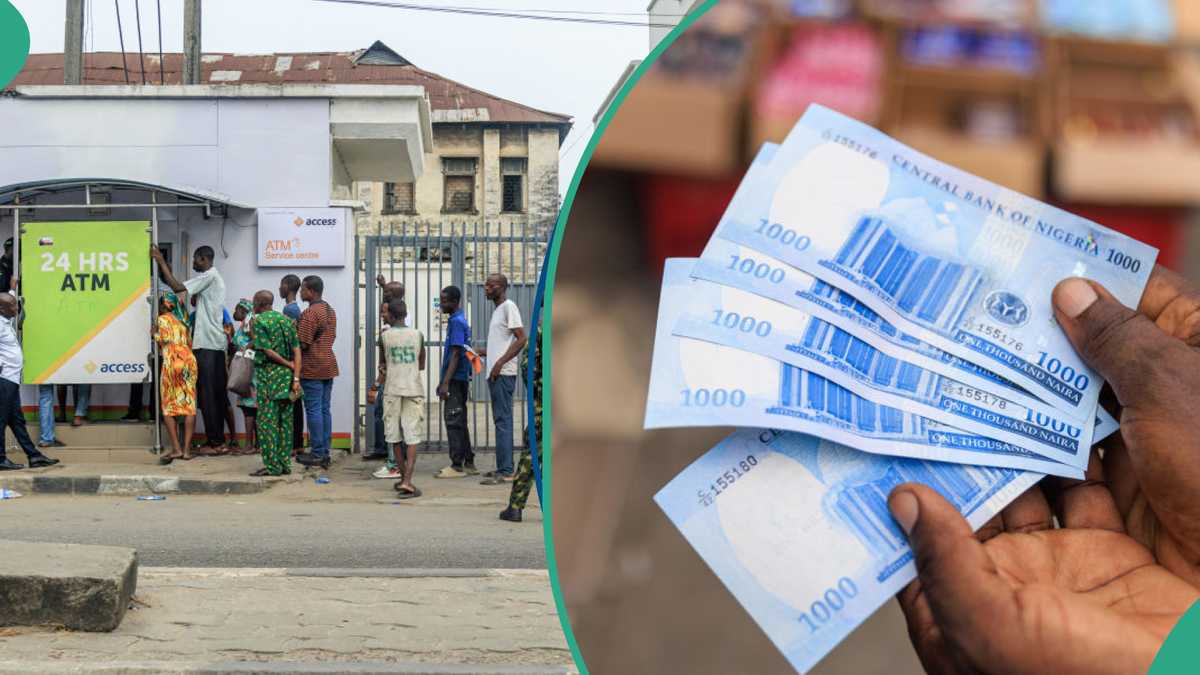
[[405, 494]]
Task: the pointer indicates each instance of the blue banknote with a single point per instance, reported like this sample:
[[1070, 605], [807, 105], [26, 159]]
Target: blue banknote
[[797, 528], [1106, 425], [736, 318], [731, 264], [957, 262], [695, 383]]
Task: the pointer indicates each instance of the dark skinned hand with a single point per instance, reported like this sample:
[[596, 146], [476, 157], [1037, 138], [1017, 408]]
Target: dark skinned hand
[[1101, 594]]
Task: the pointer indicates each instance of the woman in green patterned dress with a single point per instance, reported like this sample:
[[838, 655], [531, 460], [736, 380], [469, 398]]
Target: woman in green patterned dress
[[277, 383], [244, 315]]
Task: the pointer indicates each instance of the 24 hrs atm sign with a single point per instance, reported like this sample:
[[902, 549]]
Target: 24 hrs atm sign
[[86, 289]]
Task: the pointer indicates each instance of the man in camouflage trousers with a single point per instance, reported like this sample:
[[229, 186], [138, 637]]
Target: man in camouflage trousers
[[523, 482]]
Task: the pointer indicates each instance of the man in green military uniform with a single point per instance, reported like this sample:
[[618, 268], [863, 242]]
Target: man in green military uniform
[[277, 380], [523, 482]]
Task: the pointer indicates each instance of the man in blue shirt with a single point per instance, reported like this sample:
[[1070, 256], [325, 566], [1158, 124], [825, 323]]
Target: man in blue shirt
[[455, 384]]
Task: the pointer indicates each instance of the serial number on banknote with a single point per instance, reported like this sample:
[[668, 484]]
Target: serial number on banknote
[[998, 334], [967, 393], [726, 480]]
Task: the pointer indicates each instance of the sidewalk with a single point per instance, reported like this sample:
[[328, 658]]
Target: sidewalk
[[349, 480], [221, 619]]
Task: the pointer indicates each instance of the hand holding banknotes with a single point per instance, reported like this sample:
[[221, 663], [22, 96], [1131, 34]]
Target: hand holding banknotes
[[1101, 594]]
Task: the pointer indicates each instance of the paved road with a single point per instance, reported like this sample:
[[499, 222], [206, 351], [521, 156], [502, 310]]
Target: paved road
[[272, 531]]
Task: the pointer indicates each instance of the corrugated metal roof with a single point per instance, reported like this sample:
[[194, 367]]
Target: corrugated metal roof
[[453, 100]]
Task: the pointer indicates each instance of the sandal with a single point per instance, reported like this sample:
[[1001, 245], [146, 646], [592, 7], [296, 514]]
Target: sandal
[[262, 472], [407, 494]]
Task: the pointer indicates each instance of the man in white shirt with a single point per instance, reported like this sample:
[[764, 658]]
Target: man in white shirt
[[12, 362], [506, 339], [209, 341]]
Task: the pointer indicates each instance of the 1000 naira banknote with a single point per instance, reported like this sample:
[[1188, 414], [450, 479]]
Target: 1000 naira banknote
[[731, 264], [736, 318], [957, 262], [698, 383], [798, 530]]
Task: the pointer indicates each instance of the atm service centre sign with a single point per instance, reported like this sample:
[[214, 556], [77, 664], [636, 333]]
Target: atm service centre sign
[[86, 292], [308, 237]]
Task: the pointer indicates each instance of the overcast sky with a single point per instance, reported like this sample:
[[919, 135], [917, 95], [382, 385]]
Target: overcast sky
[[562, 67]]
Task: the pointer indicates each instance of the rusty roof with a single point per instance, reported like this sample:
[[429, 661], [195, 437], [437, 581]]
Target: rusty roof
[[450, 101]]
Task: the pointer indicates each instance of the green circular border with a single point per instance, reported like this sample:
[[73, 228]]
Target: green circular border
[[14, 42]]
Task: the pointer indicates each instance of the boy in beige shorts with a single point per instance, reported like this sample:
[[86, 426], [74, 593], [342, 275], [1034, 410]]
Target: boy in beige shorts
[[401, 360]]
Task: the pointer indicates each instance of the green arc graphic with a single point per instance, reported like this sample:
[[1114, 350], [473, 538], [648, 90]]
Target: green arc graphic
[[1180, 654], [548, 314], [14, 42]]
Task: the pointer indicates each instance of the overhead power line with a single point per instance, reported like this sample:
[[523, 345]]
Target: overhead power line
[[501, 14], [531, 10]]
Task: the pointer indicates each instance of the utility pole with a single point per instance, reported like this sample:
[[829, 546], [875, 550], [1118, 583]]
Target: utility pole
[[191, 41], [73, 44]]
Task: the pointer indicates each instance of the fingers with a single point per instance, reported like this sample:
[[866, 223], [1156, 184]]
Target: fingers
[[1125, 347], [1028, 513], [992, 528], [1173, 303], [1088, 504], [958, 579]]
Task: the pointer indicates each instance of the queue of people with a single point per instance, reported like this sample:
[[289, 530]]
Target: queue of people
[[398, 393], [294, 368]]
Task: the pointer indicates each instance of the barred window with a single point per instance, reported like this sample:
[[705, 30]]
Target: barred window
[[459, 178], [398, 198], [513, 174]]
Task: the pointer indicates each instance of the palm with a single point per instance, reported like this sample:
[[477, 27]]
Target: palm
[[1065, 587], [1174, 542]]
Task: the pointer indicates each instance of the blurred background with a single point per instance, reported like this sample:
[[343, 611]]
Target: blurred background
[[1091, 106]]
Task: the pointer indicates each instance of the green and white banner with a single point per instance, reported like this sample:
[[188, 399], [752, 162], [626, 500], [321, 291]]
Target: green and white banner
[[86, 287]]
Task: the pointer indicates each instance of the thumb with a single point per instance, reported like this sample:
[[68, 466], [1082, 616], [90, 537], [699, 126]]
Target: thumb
[[1125, 347], [958, 578]]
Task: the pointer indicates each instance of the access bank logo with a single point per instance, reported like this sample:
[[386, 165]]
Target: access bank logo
[[315, 222], [115, 368]]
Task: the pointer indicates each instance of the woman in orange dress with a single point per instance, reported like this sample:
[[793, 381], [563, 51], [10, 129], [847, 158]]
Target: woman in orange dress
[[178, 378]]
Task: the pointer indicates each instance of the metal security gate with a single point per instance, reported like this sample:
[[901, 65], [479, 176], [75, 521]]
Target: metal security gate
[[426, 257]]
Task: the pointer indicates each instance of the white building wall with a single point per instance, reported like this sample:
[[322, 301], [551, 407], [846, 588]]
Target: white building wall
[[260, 153]]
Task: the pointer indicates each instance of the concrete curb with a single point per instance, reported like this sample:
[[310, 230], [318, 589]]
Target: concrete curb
[[344, 573], [269, 668], [49, 484]]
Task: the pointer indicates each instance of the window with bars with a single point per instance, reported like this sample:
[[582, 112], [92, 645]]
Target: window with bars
[[512, 170], [398, 198], [459, 178]]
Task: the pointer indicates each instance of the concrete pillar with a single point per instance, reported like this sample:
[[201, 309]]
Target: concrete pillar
[[191, 42], [73, 44], [543, 175], [489, 174]]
